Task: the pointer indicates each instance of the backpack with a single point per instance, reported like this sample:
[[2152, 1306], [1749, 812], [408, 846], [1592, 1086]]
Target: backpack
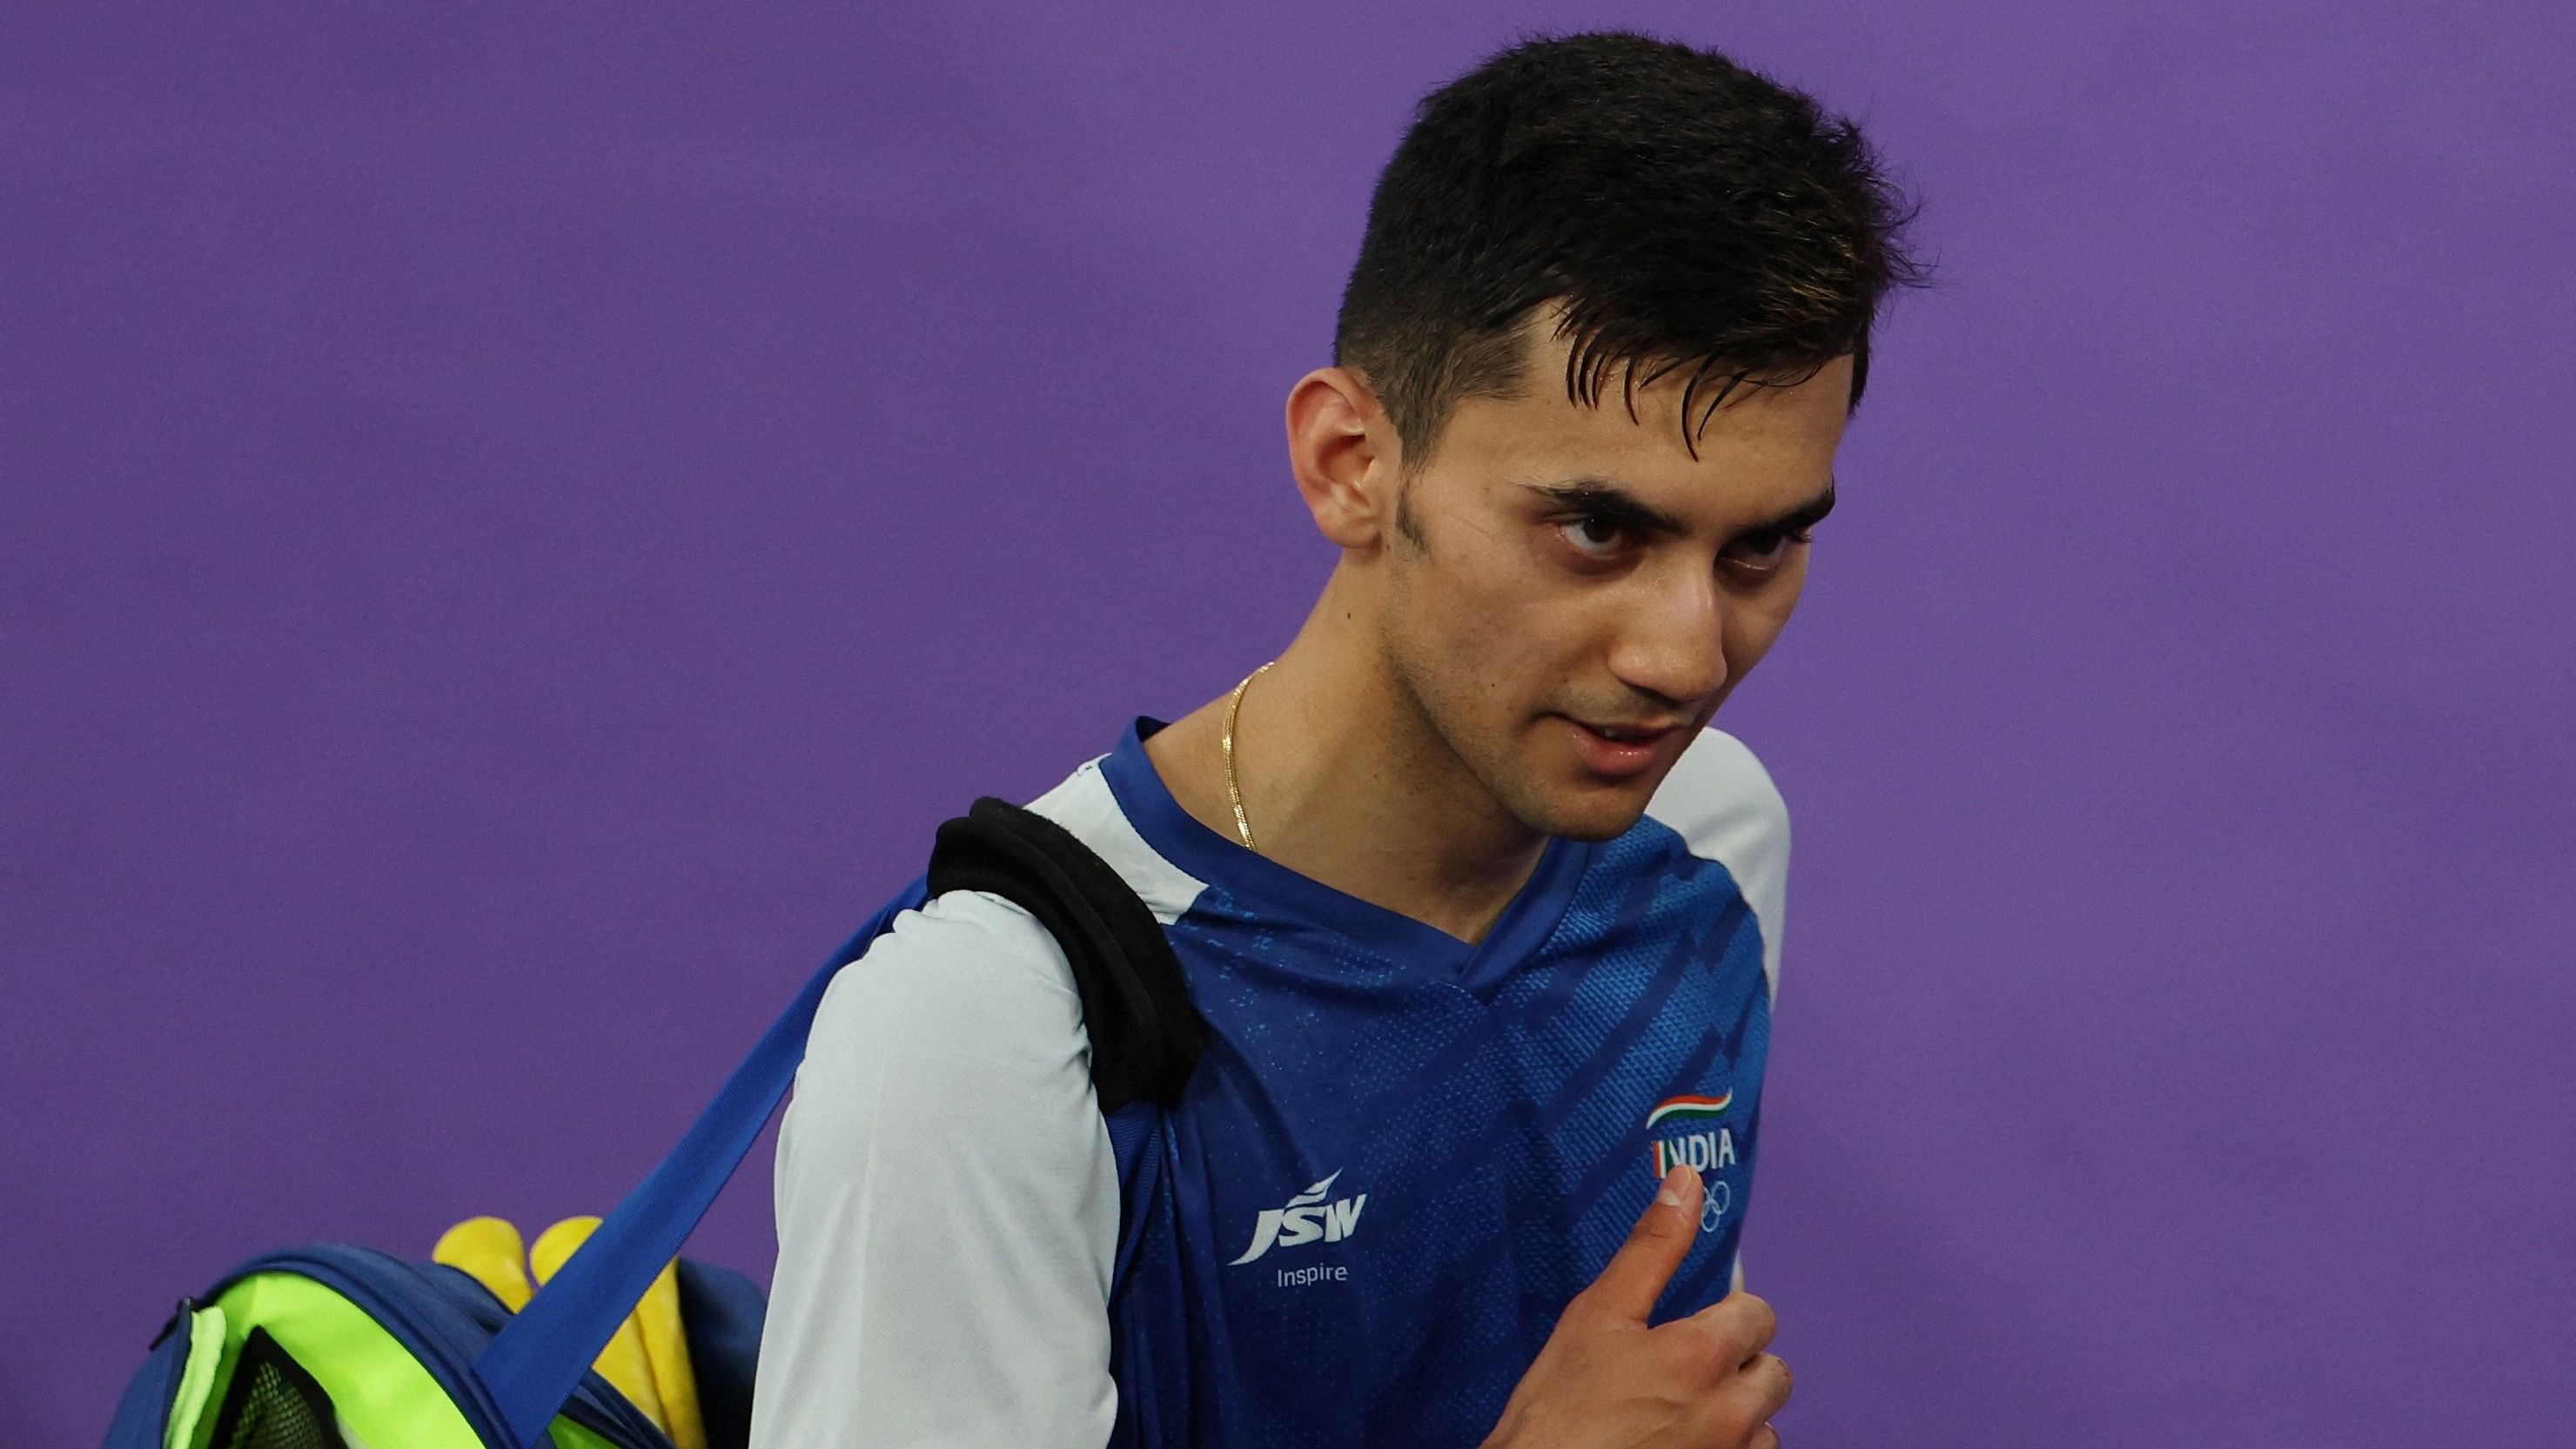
[[333, 1346]]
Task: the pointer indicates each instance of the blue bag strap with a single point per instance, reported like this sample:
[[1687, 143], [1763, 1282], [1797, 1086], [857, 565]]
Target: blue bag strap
[[533, 1364]]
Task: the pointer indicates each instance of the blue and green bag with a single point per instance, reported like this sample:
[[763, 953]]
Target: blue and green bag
[[341, 1347]]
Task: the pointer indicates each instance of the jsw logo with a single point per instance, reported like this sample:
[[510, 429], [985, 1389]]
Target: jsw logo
[[1306, 1217]]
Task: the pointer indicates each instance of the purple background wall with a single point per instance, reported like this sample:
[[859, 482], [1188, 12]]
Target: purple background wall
[[517, 523]]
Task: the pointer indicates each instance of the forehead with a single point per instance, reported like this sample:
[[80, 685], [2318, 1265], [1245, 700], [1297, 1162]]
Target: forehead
[[1767, 447]]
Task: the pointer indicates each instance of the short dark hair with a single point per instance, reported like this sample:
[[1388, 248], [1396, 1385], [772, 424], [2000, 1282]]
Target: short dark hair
[[1687, 212]]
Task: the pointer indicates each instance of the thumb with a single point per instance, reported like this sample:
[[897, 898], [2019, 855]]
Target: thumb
[[1637, 1273]]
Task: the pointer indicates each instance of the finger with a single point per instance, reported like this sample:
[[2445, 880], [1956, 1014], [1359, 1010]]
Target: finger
[[1636, 1274], [1742, 1324], [1739, 1414], [1761, 1389]]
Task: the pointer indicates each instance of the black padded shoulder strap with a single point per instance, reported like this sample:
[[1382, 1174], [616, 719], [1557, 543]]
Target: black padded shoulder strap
[[1145, 1035]]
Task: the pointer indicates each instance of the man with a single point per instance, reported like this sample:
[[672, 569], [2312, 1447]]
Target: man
[[1483, 919]]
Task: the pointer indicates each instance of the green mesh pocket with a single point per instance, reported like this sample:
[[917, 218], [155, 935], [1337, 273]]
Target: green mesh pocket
[[273, 1403]]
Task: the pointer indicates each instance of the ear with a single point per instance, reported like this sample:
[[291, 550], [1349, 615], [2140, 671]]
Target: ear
[[1345, 454]]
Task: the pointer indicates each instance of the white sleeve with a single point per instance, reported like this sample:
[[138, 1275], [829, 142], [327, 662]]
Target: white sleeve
[[947, 1202], [1722, 803]]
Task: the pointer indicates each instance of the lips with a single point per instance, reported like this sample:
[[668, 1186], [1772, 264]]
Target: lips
[[1628, 734], [1618, 751]]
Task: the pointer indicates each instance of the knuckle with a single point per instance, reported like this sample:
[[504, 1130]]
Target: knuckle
[[1654, 1228], [1777, 1381], [1711, 1338], [1692, 1356], [1763, 1319], [1741, 1325]]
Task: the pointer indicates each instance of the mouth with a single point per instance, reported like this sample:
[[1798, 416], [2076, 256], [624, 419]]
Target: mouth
[[1628, 734], [1619, 751]]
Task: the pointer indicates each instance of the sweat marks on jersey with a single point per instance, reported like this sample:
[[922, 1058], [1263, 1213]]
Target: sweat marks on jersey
[[1691, 1132], [1306, 1218]]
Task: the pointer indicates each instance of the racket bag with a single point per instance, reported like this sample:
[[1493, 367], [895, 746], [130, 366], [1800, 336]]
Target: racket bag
[[334, 1346]]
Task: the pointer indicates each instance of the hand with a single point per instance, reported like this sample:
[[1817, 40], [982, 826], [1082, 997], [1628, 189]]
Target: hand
[[1605, 1380]]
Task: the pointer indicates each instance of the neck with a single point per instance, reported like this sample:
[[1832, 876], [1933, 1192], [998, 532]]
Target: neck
[[1347, 784]]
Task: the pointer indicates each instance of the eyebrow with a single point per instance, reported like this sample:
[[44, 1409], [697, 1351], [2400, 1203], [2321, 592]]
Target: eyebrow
[[1805, 516], [1615, 505]]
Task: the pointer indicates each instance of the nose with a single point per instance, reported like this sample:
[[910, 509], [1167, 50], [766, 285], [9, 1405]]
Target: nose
[[1672, 642]]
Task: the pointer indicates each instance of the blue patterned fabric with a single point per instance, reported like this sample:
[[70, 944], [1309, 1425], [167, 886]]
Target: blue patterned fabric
[[1402, 1154]]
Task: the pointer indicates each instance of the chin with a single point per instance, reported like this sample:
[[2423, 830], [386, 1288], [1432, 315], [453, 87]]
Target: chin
[[1596, 830], [1602, 817]]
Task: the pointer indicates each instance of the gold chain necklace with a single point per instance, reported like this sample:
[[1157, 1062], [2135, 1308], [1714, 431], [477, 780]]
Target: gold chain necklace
[[1225, 742]]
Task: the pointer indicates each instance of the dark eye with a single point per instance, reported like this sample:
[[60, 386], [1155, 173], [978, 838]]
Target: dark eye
[[1593, 536], [1760, 553]]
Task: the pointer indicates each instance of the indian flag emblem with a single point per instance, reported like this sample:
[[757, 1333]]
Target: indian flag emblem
[[1691, 1134], [1688, 1109]]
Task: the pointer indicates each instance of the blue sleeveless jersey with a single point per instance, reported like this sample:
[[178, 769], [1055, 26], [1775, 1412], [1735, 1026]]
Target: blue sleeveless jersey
[[1403, 1154]]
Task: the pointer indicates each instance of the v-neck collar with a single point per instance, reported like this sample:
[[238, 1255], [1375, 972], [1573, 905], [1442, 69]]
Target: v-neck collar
[[1269, 887]]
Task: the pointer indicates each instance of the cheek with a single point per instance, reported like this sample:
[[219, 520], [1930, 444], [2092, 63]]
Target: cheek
[[1528, 638], [1755, 622], [1491, 639], [1484, 595]]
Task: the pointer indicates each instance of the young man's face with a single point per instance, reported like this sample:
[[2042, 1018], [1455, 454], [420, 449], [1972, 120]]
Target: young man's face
[[1571, 595]]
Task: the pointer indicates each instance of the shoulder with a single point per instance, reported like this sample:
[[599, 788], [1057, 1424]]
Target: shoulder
[[969, 990], [1089, 811], [1722, 803], [972, 981]]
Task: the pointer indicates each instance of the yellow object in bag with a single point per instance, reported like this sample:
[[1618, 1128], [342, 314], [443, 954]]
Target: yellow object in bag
[[647, 1360]]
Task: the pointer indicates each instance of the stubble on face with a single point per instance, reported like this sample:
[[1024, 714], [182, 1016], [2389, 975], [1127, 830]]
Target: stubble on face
[[1448, 696], [1488, 638], [1475, 722]]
